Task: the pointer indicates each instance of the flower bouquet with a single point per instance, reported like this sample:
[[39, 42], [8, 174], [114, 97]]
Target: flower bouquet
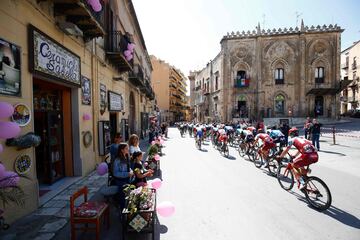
[[152, 161]]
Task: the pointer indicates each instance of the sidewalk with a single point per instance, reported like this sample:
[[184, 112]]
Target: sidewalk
[[51, 221]]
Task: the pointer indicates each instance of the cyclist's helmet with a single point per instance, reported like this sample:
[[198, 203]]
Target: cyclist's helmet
[[293, 132]]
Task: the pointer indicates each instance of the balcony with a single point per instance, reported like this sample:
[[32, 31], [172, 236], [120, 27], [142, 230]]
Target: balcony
[[116, 44], [345, 65], [136, 77], [80, 13]]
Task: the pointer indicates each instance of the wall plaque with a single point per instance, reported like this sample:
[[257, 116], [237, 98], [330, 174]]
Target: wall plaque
[[116, 103], [51, 59]]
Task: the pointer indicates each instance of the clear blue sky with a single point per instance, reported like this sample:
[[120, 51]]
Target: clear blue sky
[[187, 33]]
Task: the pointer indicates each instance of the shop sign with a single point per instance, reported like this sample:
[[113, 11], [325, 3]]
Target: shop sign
[[49, 58], [116, 103], [10, 75]]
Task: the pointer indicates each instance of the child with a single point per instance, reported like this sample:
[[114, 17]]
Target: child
[[140, 173]]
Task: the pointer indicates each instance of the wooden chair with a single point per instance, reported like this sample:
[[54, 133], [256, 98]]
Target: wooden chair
[[87, 213]]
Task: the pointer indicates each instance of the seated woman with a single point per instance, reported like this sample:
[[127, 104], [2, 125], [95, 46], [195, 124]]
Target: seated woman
[[122, 171], [134, 144], [140, 173]]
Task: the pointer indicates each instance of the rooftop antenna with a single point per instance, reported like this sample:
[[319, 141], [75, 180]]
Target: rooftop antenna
[[297, 17]]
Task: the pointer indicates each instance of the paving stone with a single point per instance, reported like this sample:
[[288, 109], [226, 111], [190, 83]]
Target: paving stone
[[54, 226], [46, 236], [63, 213], [47, 211]]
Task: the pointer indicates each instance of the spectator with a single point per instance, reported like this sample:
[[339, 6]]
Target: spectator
[[315, 131], [285, 130], [122, 171], [114, 146], [140, 173], [134, 144], [307, 126]]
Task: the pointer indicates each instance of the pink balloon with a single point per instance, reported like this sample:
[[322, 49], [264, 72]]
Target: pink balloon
[[2, 170], [131, 47], [97, 7], [128, 58], [165, 209], [157, 157], [146, 164], [127, 53], [86, 116], [9, 130], [161, 142], [6, 110], [153, 143], [156, 183], [9, 179], [1, 148], [102, 169]]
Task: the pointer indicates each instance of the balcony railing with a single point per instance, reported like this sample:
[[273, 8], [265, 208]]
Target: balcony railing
[[136, 76], [319, 80], [80, 13], [354, 65], [116, 45]]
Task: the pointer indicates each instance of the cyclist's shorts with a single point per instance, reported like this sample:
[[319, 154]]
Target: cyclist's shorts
[[249, 138], [305, 159], [268, 144], [199, 134]]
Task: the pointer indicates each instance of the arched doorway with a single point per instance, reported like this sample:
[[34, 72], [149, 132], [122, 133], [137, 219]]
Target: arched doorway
[[132, 113]]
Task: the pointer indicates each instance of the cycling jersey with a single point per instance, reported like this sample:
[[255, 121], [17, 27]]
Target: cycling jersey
[[301, 144], [262, 136], [276, 134], [267, 140]]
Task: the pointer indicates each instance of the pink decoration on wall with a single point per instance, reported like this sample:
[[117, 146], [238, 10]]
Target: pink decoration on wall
[[6, 110], [95, 5], [156, 183], [127, 53], [9, 130], [2, 170], [102, 169], [157, 157], [131, 47], [9, 179], [165, 209], [86, 116], [128, 58]]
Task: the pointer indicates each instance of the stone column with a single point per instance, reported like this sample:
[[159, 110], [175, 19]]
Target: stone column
[[302, 76]]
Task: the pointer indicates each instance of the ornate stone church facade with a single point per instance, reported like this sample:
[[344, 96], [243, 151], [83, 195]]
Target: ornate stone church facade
[[280, 73]]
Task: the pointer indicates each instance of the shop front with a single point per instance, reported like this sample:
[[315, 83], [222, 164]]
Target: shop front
[[56, 80]]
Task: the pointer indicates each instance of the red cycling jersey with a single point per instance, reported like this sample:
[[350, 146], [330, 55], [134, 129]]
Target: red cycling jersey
[[262, 136], [302, 145]]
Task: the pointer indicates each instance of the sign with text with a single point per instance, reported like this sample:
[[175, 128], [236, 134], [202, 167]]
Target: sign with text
[[49, 58], [116, 103]]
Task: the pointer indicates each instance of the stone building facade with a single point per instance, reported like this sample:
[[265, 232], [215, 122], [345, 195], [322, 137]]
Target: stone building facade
[[350, 71], [280, 73], [169, 84], [65, 64]]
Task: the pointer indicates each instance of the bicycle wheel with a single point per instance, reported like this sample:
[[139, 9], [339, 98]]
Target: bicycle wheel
[[241, 150], [285, 177], [317, 193], [273, 167], [258, 161], [250, 152]]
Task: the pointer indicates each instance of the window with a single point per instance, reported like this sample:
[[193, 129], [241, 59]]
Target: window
[[216, 83], [215, 107], [280, 104], [279, 76], [242, 80], [319, 75]]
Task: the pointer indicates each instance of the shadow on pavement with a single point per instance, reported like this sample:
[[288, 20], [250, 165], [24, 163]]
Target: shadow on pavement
[[203, 150], [330, 152], [334, 212], [229, 157]]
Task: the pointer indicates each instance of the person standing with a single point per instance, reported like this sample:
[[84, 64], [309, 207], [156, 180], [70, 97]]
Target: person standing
[[285, 130], [134, 144], [114, 146], [315, 131], [307, 128]]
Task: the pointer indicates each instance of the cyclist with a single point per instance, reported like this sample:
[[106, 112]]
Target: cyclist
[[278, 137], [198, 132], [267, 144], [305, 149]]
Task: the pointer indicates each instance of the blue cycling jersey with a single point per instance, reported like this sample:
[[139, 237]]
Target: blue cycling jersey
[[276, 134]]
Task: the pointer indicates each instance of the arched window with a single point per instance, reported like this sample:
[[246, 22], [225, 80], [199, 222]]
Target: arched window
[[280, 104], [319, 75], [279, 76]]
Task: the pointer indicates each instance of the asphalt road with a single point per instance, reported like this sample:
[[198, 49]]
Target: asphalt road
[[228, 198]]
